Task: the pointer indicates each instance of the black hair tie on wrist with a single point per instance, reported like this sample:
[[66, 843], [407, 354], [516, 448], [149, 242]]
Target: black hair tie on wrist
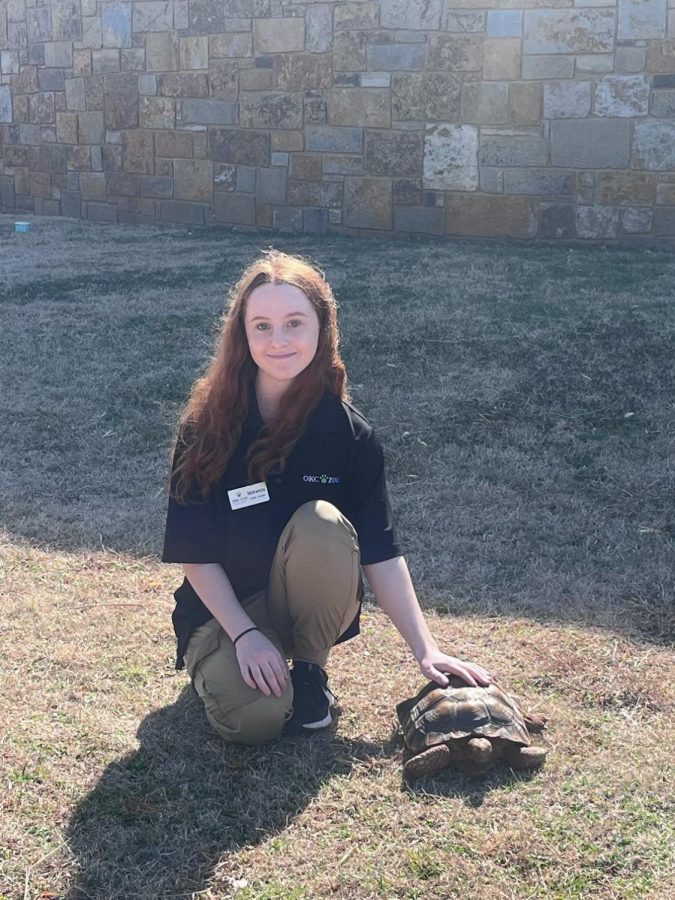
[[246, 631]]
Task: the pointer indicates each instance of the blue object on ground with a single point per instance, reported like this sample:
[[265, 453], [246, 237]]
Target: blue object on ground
[[22, 227]]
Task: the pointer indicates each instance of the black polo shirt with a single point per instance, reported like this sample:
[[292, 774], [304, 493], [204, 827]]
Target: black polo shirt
[[338, 458]]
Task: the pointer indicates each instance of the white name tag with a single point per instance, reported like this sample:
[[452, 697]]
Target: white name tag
[[248, 495]]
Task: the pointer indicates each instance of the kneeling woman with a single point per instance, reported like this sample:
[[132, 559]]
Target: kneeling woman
[[277, 501]]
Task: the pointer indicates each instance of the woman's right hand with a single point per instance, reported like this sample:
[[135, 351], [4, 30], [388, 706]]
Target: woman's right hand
[[262, 666]]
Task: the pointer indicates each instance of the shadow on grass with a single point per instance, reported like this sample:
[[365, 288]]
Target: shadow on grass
[[160, 819], [470, 790]]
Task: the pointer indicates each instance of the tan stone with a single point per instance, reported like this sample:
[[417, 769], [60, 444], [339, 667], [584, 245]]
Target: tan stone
[[92, 185], [305, 166], [356, 15], [660, 57], [223, 79], [183, 84], [121, 184], [525, 103], [235, 44], [157, 112], [256, 79], [194, 52], [304, 72], [488, 215], [349, 51], [367, 203], [426, 96], [279, 35], [174, 144], [271, 110], [501, 59], [41, 108], [193, 179], [121, 101], [457, 53], [625, 188], [138, 152], [78, 159], [93, 91], [90, 130], [161, 51], [369, 107], [285, 141], [81, 62], [66, 127]]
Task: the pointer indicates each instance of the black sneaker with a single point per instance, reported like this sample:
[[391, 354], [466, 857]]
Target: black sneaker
[[312, 698]]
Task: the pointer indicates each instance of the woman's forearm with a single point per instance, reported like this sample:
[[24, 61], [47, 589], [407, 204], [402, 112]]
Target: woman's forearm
[[215, 590], [393, 588]]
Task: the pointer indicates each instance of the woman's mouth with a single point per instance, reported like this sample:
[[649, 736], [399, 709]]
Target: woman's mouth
[[281, 356]]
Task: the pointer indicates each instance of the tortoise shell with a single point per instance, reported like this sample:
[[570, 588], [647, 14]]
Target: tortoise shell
[[441, 715]]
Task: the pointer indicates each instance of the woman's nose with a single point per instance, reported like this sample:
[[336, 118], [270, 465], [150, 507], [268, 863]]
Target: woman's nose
[[278, 336]]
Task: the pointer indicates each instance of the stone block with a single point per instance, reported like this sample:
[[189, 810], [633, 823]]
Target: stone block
[[485, 103], [654, 145], [625, 188], [594, 63], [157, 112], [367, 203], [413, 14], [312, 193], [94, 91], [305, 166], [637, 220], [105, 62], [78, 159], [121, 101], [173, 144], [597, 222], [303, 72], [256, 79], [569, 31], [451, 157], [194, 52], [52, 79], [161, 51], [66, 127], [280, 159], [103, 213], [665, 194], [82, 62], [483, 215], [393, 153], [288, 220], [52, 158], [181, 15], [147, 85], [36, 54], [183, 84], [406, 192], [336, 140], [369, 107], [182, 212], [234, 208], [207, 112], [426, 96], [70, 204], [66, 20], [538, 181], [120, 184], [132, 59], [502, 59], [271, 186], [660, 57], [245, 179], [92, 185], [39, 24], [319, 30], [395, 57], [463, 21], [351, 16], [336, 164], [271, 110], [375, 79], [349, 51], [206, 16], [237, 9], [224, 177], [234, 145], [555, 221], [525, 103], [111, 157], [642, 19], [223, 80], [41, 109], [508, 150], [193, 179], [287, 141], [230, 46], [622, 96], [116, 24], [419, 219], [505, 23], [157, 186], [590, 143], [9, 64], [662, 103], [59, 54], [138, 152], [455, 53], [315, 111], [567, 99], [153, 16], [279, 35], [315, 221], [664, 221], [629, 59]]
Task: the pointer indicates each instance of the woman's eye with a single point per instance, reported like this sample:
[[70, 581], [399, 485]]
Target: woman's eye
[[261, 326], [295, 323]]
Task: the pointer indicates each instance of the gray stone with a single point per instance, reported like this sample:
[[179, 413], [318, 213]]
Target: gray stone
[[59, 54], [451, 157], [182, 212], [334, 164], [75, 96], [594, 63], [367, 203], [622, 96], [70, 204], [9, 63], [525, 103], [225, 177], [206, 16], [193, 179], [629, 59], [356, 15], [393, 153], [396, 57], [315, 193], [664, 221], [153, 16], [96, 158], [193, 52], [642, 19], [121, 101], [147, 85], [280, 159], [234, 145], [92, 185], [66, 20], [491, 180], [92, 35], [663, 81], [207, 112], [39, 24], [502, 59], [271, 186], [485, 103], [427, 96], [569, 31], [555, 221], [52, 79], [455, 53], [103, 213], [537, 181], [598, 222], [271, 110], [663, 103], [375, 79], [233, 208], [413, 14], [508, 150], [157, 112], [654, 145], [303, 72], [289, 220], [334, 140], [590, 143], [319, 29], [505, 23], [236, 9], [279, 35], [5, 104], [359, 106], [539, 68], [161, 51], [637, 219], [419, 219], [463, 21], [316, 111], [105, 62], [567, 99], [349, 51], [116, 25], [315, 221], [230, 45]]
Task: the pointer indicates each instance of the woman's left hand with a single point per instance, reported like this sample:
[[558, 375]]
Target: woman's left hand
[[434, 664]]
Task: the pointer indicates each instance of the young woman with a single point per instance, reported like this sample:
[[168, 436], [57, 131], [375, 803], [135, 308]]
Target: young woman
[[278, 500]]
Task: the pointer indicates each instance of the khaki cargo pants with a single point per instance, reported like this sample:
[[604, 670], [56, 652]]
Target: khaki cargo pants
[[312, 596]]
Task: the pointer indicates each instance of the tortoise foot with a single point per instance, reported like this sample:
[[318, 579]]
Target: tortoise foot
[[428, 762], [523, 758]]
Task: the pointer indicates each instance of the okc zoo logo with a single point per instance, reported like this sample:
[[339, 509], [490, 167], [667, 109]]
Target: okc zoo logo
[[321, 479]]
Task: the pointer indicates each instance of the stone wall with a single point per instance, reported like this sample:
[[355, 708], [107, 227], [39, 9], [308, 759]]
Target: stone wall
[[520, 118]]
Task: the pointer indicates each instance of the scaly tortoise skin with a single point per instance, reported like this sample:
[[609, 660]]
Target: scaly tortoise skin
[[467, 727]]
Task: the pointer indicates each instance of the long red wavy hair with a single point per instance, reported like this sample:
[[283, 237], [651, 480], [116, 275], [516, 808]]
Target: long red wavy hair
[[211, 423]]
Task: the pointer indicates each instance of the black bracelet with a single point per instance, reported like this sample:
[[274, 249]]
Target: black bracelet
[[246, 631]]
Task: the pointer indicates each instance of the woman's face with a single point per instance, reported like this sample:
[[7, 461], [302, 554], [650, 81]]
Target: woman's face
[[282, 329]]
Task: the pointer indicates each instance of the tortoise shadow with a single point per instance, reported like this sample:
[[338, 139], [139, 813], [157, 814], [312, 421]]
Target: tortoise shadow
[[161, 818]]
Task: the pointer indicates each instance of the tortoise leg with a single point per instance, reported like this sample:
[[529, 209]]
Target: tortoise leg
[[428, 762], [524, 757]]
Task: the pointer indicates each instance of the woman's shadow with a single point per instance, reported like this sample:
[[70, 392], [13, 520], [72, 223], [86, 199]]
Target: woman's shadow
[[159, 819]]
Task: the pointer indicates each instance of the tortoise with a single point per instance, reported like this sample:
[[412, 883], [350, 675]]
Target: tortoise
[[467, 727]]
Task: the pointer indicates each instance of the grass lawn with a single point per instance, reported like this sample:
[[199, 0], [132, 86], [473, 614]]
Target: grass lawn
[[525, 398]]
